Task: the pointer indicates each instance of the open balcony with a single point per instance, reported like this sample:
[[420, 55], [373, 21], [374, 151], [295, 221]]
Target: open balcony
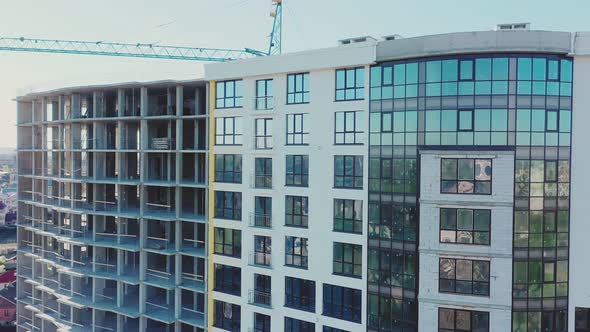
[[193, 169], [131, 103], [159, 304], [161, 168], [193, 273], [130, 200], [105, 321], [161, 101], [105, 295], [160, 203], [130, 300], [193, 238], [192, 307], [193, 204], [161, 270], [105, 261], [130, 268], [160, 236]]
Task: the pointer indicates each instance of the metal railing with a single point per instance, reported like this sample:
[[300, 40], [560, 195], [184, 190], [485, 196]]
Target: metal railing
[[193, 244], [193, 277], [104, 267], [160, 275], [261, 220], [158, 243], [259, 298]]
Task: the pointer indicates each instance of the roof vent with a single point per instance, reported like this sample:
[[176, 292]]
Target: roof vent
[[355, 40], [513, 26], [392, 37]]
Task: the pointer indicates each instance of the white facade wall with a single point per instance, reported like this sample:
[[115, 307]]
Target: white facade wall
[[499, 252], [579, 291], [320, 192]]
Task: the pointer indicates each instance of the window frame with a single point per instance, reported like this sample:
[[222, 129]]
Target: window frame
[[220, 319], [356, 132], [472, 230], [471, 320], [302, 325], [357, 259], [293, 254], [350, 303], [474, 181], [235, 245], [263, 250], [300, 294], [235, 137], [471, 111], [264, 177], [236, 205], [354, 88], [472, 282], [230, 281], [266, 99], [266, 138], [291, 132], [345, 221], [547, 130], [303, 202], [236, 172], [235, 98], [302, 172], [305, 94], [354, 177]]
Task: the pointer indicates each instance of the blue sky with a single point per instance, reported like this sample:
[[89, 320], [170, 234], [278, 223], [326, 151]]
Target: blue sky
[[230, 24]]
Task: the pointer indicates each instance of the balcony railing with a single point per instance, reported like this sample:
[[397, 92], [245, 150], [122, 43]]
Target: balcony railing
[[261, 220], [261, 259], [158, 243], [259, 298], [264, 103]]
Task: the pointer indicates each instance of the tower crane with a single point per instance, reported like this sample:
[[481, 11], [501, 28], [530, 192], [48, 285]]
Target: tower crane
[[154, 51]]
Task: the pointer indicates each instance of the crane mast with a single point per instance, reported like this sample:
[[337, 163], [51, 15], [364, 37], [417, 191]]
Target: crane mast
[[141, 50]]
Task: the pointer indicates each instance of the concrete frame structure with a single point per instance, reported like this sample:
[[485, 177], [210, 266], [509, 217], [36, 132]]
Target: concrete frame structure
[[45, 160], [112, 208]]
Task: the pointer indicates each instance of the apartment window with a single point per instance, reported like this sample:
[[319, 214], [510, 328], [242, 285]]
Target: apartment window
[[466, 176], [465, 226], [262, 283], [455, 320], [262, 250], [465, 120], [296, 325], [263, 210], [300, 294], [263, 134], [228, 205], [298, 88], [229, 94], [348, 216], [350, 84], [264, 94], [261, 323], [228, 242], [348, 172], [228, 168], [228, 131], [297, 170], [297, 131], [227, 316], [348, 259], [582, 319], [348, 127], [263, 172], [464, 276], [228, 279], [296, 211], [342, 303], [552, 121], [296, 251], [332, 329]]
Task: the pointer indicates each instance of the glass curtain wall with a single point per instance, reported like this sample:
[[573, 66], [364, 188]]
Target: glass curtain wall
[[481, 101]]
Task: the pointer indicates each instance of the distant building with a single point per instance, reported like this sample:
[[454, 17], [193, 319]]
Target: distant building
[[8, 305]]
